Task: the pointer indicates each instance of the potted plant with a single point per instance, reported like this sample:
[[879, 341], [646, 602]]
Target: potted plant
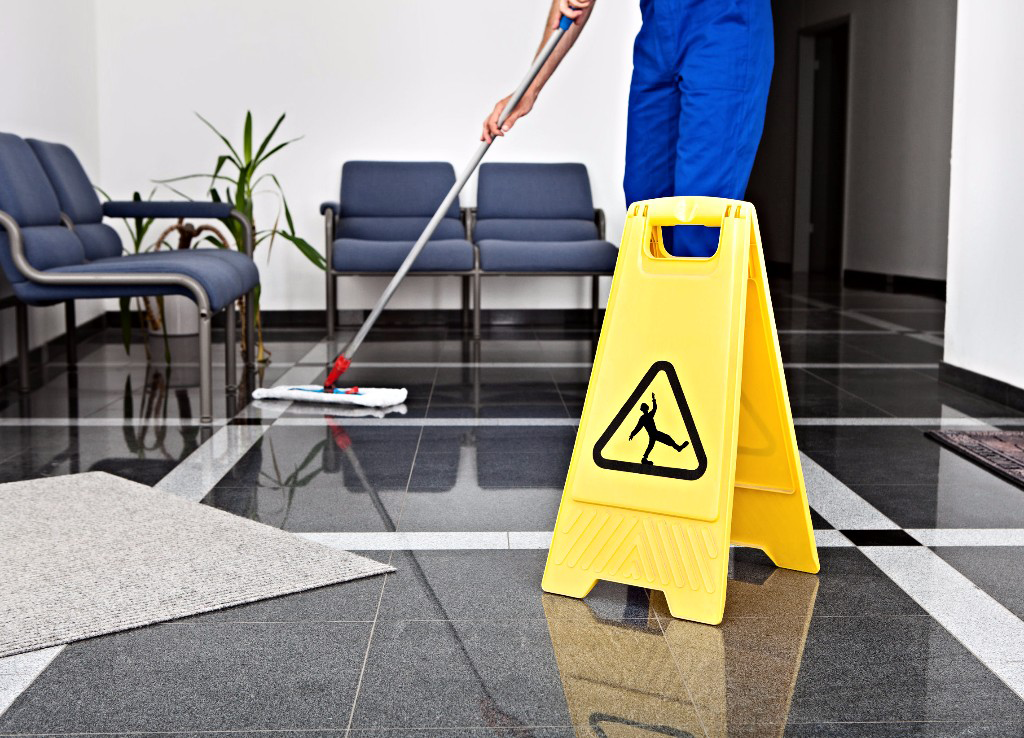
[[238, 175]]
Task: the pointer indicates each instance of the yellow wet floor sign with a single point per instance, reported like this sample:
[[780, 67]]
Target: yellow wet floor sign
[[686, 442]]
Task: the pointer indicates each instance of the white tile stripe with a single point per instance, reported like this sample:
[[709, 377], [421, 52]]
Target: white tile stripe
[[838, 504], [572, 422], [104, 422], [587, 365], [965, 422], [477, 540], [973, 617], [859, 365], [452, 422], [194, 477], [968, 537], [318, 419], [988, 630]]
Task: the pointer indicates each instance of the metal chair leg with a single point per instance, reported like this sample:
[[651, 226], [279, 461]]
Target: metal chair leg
[[70, 336], [231, 378], [21, 320], [595, 294], [205, 370], [250, 328], [476, 305], [465, 301], [332, 304]]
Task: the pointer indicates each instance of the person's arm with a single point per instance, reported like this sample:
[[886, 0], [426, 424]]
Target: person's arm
[[639, 425], [579, 11], [654, 404]]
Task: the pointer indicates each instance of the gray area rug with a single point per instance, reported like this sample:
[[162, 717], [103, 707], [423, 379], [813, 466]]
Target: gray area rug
[[88, 554]]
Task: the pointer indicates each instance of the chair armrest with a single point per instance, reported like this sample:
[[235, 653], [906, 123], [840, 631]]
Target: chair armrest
[[333, 206], [182, 209], [468, 221], [16, 246], [166, 209], [599, 220]]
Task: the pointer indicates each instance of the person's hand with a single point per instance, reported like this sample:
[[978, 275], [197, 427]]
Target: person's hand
[[573, 8], [491, 128]]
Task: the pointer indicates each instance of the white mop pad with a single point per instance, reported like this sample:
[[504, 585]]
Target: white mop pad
[[333, 411], [364, 396]]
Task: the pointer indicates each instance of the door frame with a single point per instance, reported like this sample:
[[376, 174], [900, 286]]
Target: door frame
[[801, 251]]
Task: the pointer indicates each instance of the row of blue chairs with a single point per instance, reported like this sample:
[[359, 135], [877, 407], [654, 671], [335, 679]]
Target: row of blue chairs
[[55, 248], [535, 219], [530, 219]]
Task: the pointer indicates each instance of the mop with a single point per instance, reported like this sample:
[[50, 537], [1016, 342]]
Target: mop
[[382, 396]]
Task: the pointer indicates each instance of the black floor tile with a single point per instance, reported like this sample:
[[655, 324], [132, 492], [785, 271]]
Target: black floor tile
[[847, 585], [911, 394], [918, 319], [490, 585], [894, 347], [190, 678], [439, 674], [999, 570], [496, 393], [813, 397], [890, 537], [859, 669]]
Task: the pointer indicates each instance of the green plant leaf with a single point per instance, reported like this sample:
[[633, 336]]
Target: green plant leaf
[[269, 136], [218, 177], [277, 148], [306, 250], [235, 157], [247, 137]]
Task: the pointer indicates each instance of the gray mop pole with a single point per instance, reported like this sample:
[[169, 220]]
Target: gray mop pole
[[350, 349]]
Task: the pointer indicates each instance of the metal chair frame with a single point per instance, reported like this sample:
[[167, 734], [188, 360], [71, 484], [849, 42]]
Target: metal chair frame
[[202, 300]]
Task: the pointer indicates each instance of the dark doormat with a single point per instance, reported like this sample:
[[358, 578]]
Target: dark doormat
[[1001, 452]]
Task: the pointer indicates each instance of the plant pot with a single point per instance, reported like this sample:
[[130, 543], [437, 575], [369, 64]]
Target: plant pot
[[180, 314]]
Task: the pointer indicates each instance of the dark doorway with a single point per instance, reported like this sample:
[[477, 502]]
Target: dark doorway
[[828, 150]]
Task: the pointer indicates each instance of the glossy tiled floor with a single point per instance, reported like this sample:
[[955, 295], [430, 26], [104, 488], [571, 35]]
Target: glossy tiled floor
[[913, 627]]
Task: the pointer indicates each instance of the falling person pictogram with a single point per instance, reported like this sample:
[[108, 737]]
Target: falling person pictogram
[[646, 422]]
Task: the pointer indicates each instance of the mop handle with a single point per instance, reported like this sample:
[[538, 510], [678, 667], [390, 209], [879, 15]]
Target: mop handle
[[350, 349]]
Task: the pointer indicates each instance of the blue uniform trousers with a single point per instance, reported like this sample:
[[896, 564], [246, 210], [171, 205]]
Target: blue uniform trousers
[[701, 72]]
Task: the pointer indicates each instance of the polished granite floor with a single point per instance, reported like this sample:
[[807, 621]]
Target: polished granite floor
[[912, 628]]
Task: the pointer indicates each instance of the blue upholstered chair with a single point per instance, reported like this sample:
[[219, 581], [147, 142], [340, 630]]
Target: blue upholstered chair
[[384, 207], [539, 219], [54, 248]]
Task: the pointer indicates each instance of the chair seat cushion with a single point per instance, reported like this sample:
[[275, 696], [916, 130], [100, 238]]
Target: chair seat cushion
[[224, 275], [355, 255], [548, 256]]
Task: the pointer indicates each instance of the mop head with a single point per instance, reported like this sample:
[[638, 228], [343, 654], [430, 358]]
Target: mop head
[[328, 411], [364, 396]]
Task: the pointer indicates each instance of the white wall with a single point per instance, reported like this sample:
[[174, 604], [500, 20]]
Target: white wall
[[405, 79], [899, 129], [985, 298], [48, 54]]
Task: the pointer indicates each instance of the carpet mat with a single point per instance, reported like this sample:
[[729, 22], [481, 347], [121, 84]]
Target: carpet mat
[[1001, 452], [88, 554]]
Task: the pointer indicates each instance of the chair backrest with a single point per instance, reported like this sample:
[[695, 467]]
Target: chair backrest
[[77, 198], [394, 200], [27, 196], [534, 202]]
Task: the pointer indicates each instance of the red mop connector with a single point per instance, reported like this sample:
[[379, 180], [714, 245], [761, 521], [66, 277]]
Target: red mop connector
[[340, 365]]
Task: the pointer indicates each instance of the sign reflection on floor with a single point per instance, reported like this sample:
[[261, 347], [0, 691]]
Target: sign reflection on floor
[[644, 673]]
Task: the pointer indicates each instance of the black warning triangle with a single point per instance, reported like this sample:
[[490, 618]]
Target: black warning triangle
[[684, 410]]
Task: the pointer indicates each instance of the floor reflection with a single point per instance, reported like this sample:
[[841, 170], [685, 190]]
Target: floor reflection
[[648, 674]]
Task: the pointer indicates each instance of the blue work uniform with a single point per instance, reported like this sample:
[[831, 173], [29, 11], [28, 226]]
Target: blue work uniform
[[701, 71]]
